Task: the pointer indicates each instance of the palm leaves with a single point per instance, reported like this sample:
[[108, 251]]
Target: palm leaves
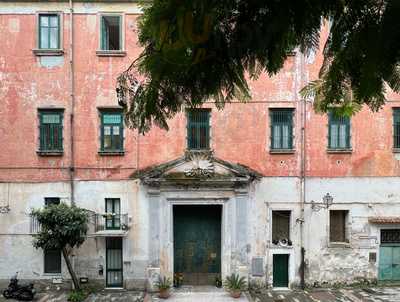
[[201, 50]]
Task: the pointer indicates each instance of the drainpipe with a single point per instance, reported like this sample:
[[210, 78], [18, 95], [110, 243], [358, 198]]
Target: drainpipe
[[302, 175], [72, 99]]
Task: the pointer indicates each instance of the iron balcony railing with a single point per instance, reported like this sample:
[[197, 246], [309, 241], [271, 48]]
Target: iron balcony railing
[[110, 221], [34, 225]]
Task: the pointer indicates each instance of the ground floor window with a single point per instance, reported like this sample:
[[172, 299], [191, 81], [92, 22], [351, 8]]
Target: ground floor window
[[52, 261], [281, 227], [338, 226]]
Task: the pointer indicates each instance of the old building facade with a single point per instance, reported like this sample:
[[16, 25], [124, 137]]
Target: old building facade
[[258, 188]]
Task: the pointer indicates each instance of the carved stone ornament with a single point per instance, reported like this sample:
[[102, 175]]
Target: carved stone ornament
[[203, 165]]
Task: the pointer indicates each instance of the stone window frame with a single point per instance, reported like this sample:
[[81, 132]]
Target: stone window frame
[[49, 52], [291, 225], [347, 243], [111, 53]]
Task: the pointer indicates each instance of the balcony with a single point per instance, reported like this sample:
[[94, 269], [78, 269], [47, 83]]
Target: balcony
[[110, 224], [100, 225]]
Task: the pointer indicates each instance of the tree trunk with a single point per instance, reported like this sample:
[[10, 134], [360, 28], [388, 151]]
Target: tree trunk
[[71, 270]]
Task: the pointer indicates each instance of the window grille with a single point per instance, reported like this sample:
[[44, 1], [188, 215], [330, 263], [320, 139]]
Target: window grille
[[280, 225], [390, 236], [281, 129], [51, 200]]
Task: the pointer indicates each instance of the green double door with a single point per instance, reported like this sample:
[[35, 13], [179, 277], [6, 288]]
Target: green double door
[[389, 263], [197, 243]]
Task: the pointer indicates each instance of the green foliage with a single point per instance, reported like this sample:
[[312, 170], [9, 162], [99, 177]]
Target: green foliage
[[163, 283], [235, 283], [199, 50], [77, 296], [61, 226]]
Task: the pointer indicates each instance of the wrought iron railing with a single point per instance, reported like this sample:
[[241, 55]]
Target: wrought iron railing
[[34, 225], [110, 221], [101, 222]]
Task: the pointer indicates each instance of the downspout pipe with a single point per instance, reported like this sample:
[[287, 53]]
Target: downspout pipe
[[72, 100], [302, 176]]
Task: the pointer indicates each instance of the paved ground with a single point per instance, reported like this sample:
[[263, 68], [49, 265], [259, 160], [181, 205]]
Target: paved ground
[[189, 294], [200, 294], [388, 294]]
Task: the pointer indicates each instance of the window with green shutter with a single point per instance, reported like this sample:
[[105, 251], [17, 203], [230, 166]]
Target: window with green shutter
[[396, 128], [111, 32], [51, 130], [198, 129], [52, 261], [338, 132], [281, 129], [49, 31], [112, 131]]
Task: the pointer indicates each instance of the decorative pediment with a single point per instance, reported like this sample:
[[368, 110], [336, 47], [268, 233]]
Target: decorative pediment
[[197, 168]]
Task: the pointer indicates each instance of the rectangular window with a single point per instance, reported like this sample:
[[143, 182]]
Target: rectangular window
[[338, 226], [51, 130], [111, 32], [339, 132], [49, 31], [112, 131], [52, 261], [198, 129], [281, 129], [113, 213], [51, 200], [396, 128], [280, 226]]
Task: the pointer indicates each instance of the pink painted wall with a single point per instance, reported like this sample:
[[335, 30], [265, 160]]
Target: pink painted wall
[[240, 133]]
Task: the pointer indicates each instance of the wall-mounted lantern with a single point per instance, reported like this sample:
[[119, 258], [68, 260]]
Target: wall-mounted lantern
[[5, 209], [327, 201]]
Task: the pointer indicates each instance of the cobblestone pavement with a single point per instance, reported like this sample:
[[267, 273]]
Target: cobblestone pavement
[[387, 294]]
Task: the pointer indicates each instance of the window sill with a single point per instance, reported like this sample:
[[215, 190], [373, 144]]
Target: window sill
[[339, 245], [343, 151], [277, 246], [48, 52], [50, 153], [396, 150], [111, 153], [282, 151], [111, 53]]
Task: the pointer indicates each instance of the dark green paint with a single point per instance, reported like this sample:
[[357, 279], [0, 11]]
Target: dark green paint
[[51, 130], [281, 270], [114, 274], [198, 129], [281, 129], [197, 243]]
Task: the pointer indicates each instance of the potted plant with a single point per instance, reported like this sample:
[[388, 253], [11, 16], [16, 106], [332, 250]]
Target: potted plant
[[235, 285], [163, 285]]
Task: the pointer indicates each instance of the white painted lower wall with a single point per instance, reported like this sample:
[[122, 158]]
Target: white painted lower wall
[[325, 263]]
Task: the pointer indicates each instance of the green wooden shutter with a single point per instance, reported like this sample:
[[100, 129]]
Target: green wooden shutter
[[396, 128], [198, 129], [281, 125], [112, 126], [51, 131], [339, 132]]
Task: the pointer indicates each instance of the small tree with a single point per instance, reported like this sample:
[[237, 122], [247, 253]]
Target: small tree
[[63, 227]]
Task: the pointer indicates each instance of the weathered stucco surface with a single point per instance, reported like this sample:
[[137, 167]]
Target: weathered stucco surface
[[366, 181]]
